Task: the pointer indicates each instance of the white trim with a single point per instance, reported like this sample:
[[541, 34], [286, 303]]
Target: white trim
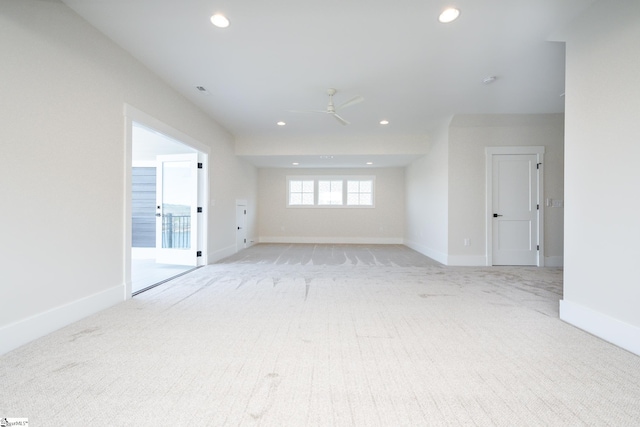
[[334, 240], [154, 124], [601, 325], [128, 202], [23, 331], [132, 114], [489, 153], [203, 201], [316, 192]]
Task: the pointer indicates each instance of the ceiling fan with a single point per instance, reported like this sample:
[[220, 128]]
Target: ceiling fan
[[332, 109]]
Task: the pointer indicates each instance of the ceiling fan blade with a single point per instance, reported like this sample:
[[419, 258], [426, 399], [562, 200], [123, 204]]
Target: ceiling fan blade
[[341, 120], [351, 102], [308, 111]]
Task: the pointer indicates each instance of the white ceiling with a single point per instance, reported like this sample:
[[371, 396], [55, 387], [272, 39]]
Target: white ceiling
[[282, 55]]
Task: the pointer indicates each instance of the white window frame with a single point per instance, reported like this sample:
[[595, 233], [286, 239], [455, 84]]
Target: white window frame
[[302, 180], [339, 201], [344, 178]]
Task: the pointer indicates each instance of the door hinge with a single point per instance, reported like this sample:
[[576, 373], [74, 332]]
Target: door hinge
[[198, 253], [199, 209], [537, 207], [199, 165], [245, 211], [245, 240], [538, 247]]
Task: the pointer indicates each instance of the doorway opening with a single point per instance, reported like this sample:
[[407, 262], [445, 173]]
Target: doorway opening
[[165, 219]]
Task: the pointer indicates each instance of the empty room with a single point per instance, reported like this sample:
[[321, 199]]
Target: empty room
[[319, 213]]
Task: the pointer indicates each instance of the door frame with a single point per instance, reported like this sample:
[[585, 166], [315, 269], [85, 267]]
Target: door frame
[[538, 151], [131, 115]]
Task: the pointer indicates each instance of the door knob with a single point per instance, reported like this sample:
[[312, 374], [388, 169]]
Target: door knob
[[158, 214], [496, 215]]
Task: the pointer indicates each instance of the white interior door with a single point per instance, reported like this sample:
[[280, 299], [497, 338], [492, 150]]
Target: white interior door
[[515, 209], [241, 232], [176, 209]]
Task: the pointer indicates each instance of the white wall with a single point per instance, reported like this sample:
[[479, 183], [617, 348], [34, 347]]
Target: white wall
[[427, 206], [602, 231], [446, 193], [469, 135], [382, 224], [63, 87], [231, 179]]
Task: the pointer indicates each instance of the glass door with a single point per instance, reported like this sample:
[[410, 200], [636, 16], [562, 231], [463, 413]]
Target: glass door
[[176, 209]]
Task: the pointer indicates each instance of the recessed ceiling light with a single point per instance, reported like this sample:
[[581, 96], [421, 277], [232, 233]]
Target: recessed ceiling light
[[219, 21], [384, 122], [281, 123], [369, 163], [449, 15], [295, 163]]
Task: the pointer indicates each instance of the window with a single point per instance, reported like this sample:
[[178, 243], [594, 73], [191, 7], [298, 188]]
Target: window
[[331, 191], [301, 192], [360, 193]]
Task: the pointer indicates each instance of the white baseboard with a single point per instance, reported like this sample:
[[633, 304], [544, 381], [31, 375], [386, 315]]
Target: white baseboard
[[335, 240], [435, 255], [554, 261], [23, 331], [601, 325]]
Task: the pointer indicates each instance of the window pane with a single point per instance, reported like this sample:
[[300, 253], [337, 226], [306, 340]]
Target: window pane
[[336, 192], [360, 193], [329, 192], [301, 192], [353, 199]]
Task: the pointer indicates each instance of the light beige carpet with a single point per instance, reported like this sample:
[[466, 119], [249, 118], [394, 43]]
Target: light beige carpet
[[328, 335]]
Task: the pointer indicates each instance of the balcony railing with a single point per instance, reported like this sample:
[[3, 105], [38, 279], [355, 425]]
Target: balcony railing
[[176, 231]]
